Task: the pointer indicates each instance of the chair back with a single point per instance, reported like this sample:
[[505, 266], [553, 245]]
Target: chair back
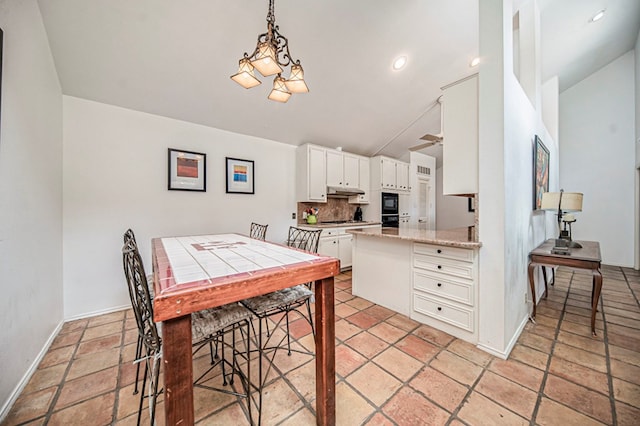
[[258, 231], [304, 239], [140, 297], [129, 236]]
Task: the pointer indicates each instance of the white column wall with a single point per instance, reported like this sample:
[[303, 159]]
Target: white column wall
[[508, 228], [597, 152], [30, 197], [115, 177]]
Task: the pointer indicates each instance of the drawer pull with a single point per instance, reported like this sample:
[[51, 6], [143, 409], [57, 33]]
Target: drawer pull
[[439, 308], [439, 266], [439, 251], [439, 284]]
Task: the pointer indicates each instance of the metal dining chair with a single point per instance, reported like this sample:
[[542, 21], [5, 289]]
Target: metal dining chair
[[282, 302], [258, 231], [211, 325]]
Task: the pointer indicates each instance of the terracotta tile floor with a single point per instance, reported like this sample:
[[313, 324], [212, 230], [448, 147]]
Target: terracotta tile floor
[[390, 369]]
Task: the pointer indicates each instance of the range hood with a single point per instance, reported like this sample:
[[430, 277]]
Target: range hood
[[334, 190]]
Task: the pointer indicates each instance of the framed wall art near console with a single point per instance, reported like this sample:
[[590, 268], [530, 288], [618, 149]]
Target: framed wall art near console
[[240, 176], [540, 172], [187, 170]]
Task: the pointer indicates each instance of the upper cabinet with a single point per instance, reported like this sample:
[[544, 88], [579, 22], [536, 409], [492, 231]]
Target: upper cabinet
[[343, 170], [389, 174], [363, 178], [311, 177], [460, 144]]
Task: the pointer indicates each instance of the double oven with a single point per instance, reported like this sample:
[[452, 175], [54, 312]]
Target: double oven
[[390, 210]]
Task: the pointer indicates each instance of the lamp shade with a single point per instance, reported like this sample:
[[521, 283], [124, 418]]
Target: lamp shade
[[571, 201], [265, 60], [245, 76], [296, 83], [279, 92]]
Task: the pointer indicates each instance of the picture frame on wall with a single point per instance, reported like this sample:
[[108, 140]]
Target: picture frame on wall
[[240, 176], [187, 171], [540, 172]]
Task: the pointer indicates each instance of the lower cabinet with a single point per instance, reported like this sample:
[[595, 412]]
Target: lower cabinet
[[337, 244], [445, 289]]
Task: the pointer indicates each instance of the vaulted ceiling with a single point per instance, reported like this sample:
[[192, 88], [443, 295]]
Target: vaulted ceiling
[[174, 58]]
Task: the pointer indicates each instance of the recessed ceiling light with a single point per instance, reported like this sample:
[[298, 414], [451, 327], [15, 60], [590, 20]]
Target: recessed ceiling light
[[598, 16], [399, 63], [474, 62]]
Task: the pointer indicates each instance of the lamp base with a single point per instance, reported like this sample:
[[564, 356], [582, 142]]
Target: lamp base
[[561, 247]]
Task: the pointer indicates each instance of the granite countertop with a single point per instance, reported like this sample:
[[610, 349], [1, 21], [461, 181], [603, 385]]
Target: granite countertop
[[457, 237], [349, 224]]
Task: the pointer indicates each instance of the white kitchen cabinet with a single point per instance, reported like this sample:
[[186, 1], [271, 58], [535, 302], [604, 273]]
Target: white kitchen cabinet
[[311, 178], [363, 181], [336, 242], [402, 176], [345, 250], [445, 289], [389, 174], [404, 222], [343, 170], [460, 146]]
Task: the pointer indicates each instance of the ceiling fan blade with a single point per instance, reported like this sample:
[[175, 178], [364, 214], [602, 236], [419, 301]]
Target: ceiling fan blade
[[431, 138], [423, 145]]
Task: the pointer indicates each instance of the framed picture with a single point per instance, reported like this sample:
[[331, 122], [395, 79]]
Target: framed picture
[[187, 170], [1, 47], [240, 176], [471, 205], [540, 172]]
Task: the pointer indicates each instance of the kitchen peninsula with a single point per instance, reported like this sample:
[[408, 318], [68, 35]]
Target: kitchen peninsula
[[430, 276]]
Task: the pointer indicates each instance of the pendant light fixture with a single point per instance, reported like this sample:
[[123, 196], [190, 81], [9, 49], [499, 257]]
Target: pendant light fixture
[[270, 57]]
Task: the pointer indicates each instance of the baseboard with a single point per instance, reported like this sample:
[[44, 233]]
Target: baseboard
[[505, 354], [34, 366], [27, 375], [96, 313]]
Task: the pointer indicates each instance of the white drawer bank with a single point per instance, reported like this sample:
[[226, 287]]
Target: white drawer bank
[[430, 276]]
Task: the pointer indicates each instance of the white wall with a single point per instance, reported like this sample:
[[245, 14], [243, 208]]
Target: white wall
[[637, 191], [451, 211], [30, 196], [597, 152], [115, 177], [508, 226]]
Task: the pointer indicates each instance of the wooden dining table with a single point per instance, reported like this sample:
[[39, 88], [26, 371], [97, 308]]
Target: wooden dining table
[[192, 273]]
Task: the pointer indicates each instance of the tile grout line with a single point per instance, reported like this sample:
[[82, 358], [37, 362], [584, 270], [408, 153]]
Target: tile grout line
[[543, 383], [605, 338], [54, 401]]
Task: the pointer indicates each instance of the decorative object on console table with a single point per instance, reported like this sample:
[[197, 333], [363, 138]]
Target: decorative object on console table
[[541, 172], [187, 170], [240, 176], [563, 202]]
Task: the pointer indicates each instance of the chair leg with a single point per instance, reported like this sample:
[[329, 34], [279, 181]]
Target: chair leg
[[288, 333], [137, 357], [313, 329], [144, 383], [154, 390]]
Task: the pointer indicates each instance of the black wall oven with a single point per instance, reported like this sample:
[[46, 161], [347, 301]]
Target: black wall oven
[[390, 217]]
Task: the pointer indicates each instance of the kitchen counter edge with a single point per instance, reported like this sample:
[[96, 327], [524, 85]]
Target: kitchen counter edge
[[338, 225], [458, 237]]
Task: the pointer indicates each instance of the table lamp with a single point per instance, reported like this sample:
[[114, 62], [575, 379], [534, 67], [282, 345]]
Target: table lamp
[[563, 202]]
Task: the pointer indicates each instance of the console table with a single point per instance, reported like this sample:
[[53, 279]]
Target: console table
[[587, 257]]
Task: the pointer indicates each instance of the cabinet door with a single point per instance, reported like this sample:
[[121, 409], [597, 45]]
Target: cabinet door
[[344, 250], [404, 205], [317, 174], [388, 174], [334, 169], [351, 167], [402, 176], [329, 247], [460, 151]]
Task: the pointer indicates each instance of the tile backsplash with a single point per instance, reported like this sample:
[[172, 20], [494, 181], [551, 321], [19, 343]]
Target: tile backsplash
[[333, 209]]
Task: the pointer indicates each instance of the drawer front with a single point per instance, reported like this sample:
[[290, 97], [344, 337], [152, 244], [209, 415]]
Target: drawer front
[[448, 312], [329, 232], [444, 251], [443, 266], [446, 288]]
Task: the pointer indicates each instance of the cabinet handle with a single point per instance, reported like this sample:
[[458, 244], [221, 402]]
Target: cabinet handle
[[439, 284], [439, 266], [347, 183], [439, 308], [439, 251]]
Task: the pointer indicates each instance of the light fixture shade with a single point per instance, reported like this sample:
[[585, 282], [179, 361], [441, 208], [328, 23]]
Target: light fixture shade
[[265, 60], [571, 201], [279, 92], [296, 83], [245, 76]]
